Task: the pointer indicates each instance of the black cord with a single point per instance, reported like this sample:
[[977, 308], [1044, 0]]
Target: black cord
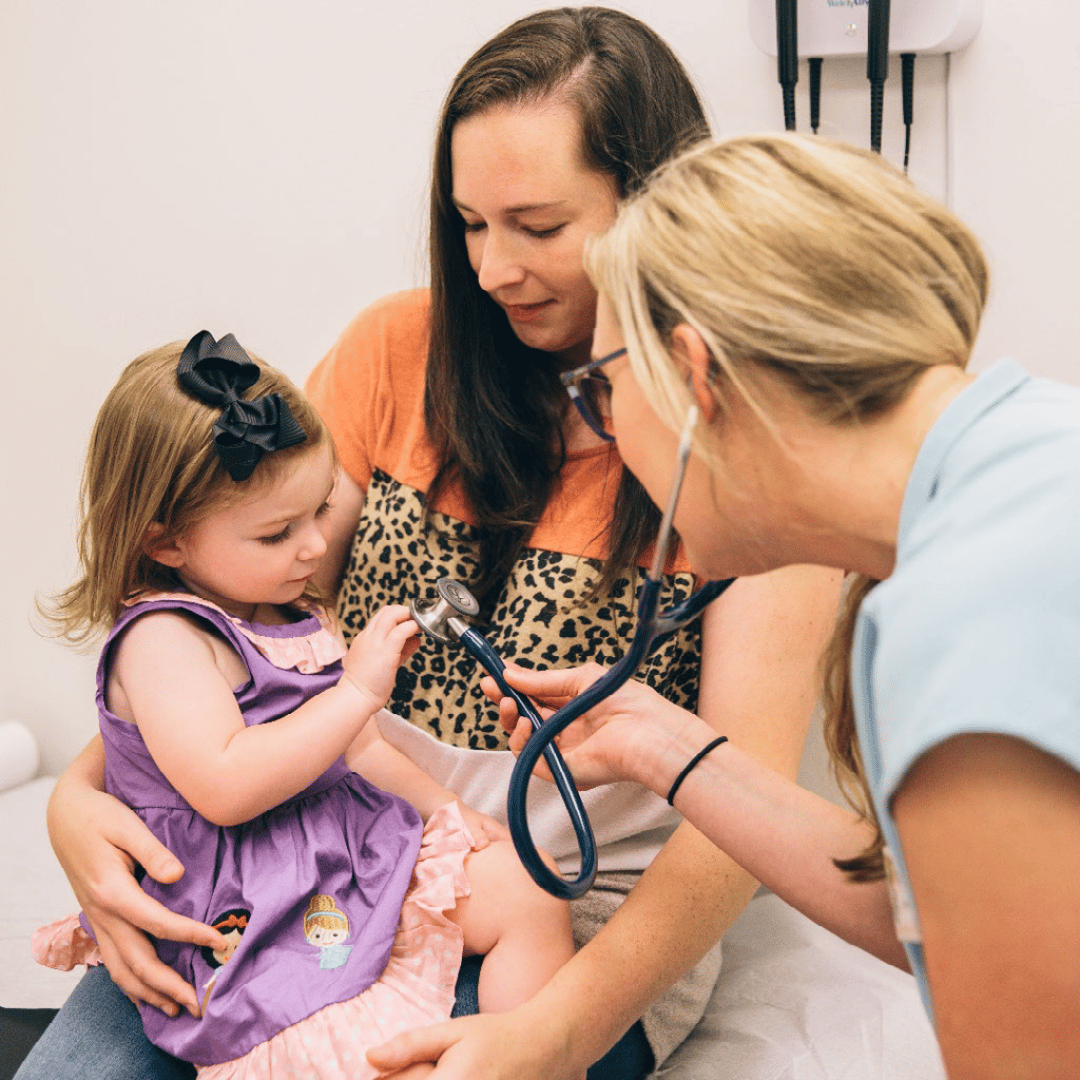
[[690, 765], [815, 92], [877, 100], [908, 77], [787, 57], [877, 64], [788, 93]]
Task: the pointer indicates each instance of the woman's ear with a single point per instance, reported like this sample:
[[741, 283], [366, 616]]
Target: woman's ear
[[166, 552], [691, 350]]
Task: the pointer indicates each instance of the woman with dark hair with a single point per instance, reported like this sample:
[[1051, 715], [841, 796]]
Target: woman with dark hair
[[598, 64], [461, 458]]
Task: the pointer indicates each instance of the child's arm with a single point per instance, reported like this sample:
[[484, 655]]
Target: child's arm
[[170, 679], [388, 768]]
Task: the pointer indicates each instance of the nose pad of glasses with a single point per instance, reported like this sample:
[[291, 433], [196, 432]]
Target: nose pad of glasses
[[592, 396]]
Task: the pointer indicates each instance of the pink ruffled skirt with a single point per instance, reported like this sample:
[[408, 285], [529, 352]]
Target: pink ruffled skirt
[[415, 989]]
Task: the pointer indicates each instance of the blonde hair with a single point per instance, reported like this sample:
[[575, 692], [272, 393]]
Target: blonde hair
[[811, 261], [324, 913], [151, 459]]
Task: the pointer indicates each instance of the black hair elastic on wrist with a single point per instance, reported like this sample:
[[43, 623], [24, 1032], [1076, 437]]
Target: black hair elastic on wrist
[[690, 765]]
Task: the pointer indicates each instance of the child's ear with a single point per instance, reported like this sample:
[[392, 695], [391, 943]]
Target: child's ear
[[166, 552]]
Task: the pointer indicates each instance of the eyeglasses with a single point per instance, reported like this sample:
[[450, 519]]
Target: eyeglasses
[[589, 390]]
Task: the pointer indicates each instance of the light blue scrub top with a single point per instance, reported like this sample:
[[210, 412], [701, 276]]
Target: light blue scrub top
[[978, 627]]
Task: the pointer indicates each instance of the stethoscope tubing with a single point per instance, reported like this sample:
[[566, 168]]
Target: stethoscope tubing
[[489, 659], [652, 631]]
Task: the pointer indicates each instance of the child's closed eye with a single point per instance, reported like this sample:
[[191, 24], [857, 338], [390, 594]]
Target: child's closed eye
[[277, 538]]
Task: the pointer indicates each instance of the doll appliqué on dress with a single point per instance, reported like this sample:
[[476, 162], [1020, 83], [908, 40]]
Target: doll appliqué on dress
[[326, 927], [231, 925]]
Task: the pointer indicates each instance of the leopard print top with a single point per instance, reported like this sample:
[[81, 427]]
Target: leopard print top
[[540, 619]]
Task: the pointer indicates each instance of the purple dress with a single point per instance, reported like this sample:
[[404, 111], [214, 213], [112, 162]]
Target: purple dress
[[309, 893]]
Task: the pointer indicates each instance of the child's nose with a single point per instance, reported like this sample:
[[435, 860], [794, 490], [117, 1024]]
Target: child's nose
[[314, 546]]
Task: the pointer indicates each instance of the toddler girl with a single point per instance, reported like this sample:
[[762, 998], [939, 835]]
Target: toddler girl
[[233, 717]]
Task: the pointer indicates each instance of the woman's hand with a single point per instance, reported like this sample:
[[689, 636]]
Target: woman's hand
[[375, 654], [624, 737], [512, 1045], [98, 840]]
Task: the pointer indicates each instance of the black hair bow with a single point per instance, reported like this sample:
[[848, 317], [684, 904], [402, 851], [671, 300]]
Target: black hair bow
[[218, 372]]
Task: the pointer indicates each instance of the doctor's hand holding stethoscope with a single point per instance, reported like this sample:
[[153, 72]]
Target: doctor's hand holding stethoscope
[[817, 312]]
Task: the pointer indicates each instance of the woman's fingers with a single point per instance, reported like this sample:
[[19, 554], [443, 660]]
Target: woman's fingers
[[509, 717], [127, 833], [410, 1047], [98, 841], [135, 968], [120, 913], [519, 733], [553, 687], [491, 1046], [101, 836], [129, 954], [109, 892], [594, 745], [549, 689], [144, 913]]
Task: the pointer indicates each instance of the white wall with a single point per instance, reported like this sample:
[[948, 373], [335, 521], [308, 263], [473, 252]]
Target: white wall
[[261, 168]]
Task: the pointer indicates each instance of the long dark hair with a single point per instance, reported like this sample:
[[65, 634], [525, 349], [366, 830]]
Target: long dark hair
[[493, 406]]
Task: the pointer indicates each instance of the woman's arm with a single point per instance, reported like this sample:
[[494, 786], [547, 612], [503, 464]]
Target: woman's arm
[[786, 836], [761, 650], [757, 715], [227, 771], [782, 834], [761, 647], [98, 841], [990, 829]]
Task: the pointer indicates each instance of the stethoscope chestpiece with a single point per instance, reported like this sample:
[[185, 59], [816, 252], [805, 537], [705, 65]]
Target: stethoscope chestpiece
[[454, 605]]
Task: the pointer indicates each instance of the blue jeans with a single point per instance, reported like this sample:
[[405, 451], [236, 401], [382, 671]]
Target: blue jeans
[[98, 1034]]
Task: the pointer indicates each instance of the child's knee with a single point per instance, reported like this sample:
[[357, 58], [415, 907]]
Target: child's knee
[[509, 875], [504, 898]]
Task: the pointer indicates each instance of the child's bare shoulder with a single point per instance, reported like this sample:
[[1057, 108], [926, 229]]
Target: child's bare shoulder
[[176, 642], [168, 629]]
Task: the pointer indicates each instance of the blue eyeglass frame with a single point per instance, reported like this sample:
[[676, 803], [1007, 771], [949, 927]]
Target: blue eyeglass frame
[[570, 380]]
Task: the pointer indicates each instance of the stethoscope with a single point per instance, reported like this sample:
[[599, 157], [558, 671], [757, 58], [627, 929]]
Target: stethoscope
[[446, 619]]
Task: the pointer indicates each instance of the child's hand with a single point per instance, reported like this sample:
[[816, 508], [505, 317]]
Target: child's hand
[[373, 658], [484, 829]]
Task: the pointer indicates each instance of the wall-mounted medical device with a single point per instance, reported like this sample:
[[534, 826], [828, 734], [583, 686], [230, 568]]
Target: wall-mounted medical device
[[788, 29], [840, 27]]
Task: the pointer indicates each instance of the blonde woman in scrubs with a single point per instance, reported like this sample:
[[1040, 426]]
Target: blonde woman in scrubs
[[819, 312]]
